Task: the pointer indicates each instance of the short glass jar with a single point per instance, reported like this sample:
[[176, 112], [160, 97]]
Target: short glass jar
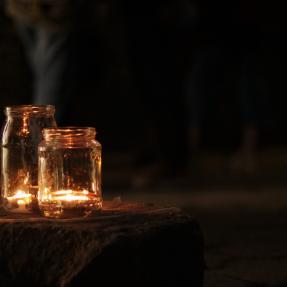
[[69, 172], [21, 136]]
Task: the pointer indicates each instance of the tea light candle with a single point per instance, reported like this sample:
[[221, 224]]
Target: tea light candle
[[20, 201], [70, 195]]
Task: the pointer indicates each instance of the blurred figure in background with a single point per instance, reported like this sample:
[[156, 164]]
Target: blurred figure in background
[[44, 28], [223, 65], [153, 45], [250, 102], [70, 51]]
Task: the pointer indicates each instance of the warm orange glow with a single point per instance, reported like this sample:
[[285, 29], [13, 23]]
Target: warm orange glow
[[21, 198], [70, 195], [25, 127], [21, 202], [26, 179]]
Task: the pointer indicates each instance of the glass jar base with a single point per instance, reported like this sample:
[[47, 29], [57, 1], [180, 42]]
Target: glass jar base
[[65, 211], [16, 208]]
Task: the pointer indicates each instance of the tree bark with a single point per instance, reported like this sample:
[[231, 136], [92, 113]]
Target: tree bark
[[125, 244]]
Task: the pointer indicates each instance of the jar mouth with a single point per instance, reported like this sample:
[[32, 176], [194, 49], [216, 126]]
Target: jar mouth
[[41, 110], [69, 133]]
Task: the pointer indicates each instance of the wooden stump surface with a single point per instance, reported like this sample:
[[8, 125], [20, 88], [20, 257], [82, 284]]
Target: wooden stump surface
[[127, 243]]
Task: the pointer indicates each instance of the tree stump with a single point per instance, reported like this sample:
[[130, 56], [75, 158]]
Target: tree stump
[[125, 244]]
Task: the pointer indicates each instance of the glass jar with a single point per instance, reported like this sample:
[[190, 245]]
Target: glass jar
[[21, 136], [69, 172]]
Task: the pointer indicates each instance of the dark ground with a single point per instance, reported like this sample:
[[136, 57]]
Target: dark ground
[[243, 217]]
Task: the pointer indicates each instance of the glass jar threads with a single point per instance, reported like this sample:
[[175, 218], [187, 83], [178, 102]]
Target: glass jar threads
[[69, 172], [20, 139]]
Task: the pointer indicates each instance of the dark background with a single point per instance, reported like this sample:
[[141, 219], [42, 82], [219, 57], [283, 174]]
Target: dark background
[[131, 63], [130, 66]]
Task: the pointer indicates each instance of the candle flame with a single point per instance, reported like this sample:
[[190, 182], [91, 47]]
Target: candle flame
[[21, 202], [20, 194], [21, 197], [63, 192], [70, 195]]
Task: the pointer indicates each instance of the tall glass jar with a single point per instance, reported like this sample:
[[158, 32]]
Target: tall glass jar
[[21, 136], [69, 172]]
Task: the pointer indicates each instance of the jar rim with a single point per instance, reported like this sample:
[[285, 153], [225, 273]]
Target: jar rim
[[29, 109], [69, 132]]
